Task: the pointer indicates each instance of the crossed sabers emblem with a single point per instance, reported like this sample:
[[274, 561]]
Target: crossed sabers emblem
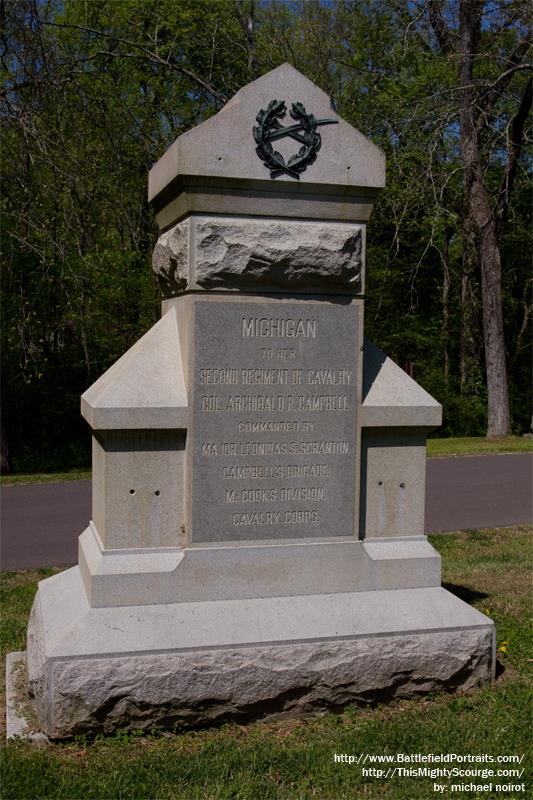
[[269, 129]]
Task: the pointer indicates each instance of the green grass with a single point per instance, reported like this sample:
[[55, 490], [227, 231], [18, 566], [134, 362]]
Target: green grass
[[293, 760], [475, 445], [45, 477], [478, 446]]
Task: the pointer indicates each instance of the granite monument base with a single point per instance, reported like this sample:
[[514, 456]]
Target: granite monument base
[[202, 663]]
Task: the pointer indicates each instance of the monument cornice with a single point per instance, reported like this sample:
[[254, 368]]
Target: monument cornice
[[199, 194]]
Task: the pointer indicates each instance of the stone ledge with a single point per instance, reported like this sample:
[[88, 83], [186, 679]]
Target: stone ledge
[[200, 574], [145, 388], [391, 398], [105, 669]]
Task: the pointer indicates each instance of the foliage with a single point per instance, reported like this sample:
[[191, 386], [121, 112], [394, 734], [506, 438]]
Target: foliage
[[477, 446], [95, 92]]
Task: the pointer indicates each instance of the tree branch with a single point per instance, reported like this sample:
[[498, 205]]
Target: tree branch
[[245, 14], [514, 148], [488, 98], [440, 29], [407, 20], [151, 56]]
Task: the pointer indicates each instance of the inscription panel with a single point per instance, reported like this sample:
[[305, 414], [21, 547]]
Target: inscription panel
[[273, 420]]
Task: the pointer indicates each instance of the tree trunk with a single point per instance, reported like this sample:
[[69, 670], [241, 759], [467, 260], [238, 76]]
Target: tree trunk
[[6, 466], [446, 308], [470, 355], [246, 13], [479, 212], [499, 421]]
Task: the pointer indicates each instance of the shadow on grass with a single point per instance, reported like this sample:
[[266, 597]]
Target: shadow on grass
[[465, 592], [500, 669]]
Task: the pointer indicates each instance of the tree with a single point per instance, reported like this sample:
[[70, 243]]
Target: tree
[[471, 39]]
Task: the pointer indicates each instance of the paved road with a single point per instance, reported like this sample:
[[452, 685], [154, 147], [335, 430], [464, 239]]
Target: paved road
[[40, 523], [479, 491]]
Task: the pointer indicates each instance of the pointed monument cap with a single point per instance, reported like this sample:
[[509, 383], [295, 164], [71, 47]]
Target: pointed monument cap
[[277, 148]]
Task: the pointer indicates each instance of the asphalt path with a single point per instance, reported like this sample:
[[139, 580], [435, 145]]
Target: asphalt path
[[40, 523], [479, 492]]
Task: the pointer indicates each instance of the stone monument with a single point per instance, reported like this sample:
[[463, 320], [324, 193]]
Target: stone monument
[[257, 543]]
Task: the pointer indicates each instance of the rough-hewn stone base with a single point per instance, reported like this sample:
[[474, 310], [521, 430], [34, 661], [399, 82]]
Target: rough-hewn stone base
[[230, 253], [95, 669], [200, 688]]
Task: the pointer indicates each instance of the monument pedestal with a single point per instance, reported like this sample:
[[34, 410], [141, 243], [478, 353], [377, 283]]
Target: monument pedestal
[[193, 663], [257, 538]]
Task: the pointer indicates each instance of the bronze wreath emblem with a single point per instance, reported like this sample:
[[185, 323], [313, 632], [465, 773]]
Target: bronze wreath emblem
[[269, 129]]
